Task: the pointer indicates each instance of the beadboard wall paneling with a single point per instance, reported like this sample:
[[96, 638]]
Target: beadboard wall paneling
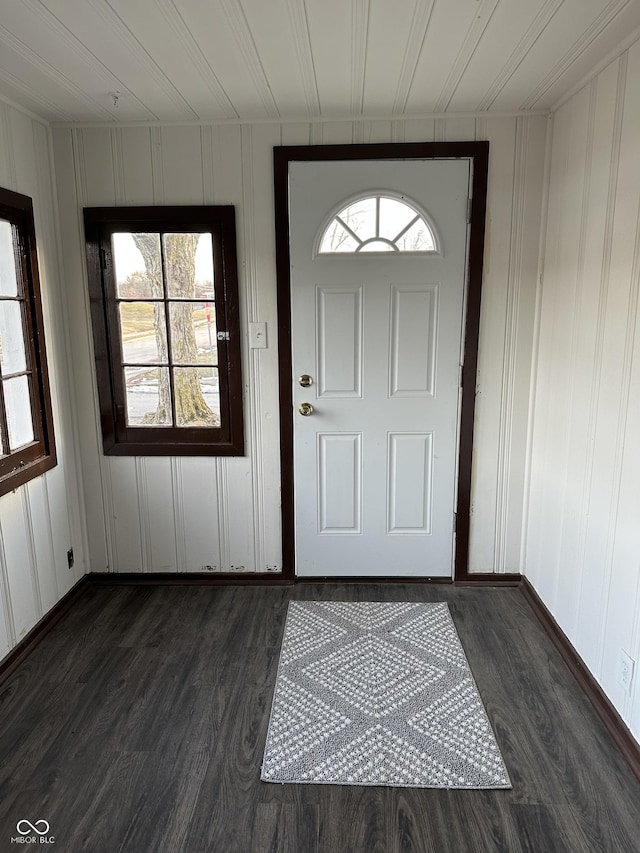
[[224, 514], [583, 537], [41, 520], [516, 169]]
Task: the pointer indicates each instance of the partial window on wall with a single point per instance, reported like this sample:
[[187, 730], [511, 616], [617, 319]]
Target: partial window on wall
[[27, 447], [164, 301]]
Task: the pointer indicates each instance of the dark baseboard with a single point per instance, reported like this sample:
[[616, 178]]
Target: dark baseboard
[[368, 579], [280, 579], [473, 579], [603, 707], [488, 579], [187, 579], [28, 643]]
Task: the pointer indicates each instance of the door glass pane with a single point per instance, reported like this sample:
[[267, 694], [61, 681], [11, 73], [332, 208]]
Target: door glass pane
[[193, 333], [143, 332], [188, 263], [8, 279], [12, 352], [394, 216], [361, 218], [138, 265], [197, 396], [148, 396], [18, 406], [417, 239], [377, 224], [337, 239]]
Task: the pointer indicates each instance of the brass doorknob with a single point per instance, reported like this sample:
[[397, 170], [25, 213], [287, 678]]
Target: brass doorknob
[[305, 409], [305, 380]]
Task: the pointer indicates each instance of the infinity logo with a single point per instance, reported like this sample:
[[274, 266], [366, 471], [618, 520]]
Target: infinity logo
[[32, 827]]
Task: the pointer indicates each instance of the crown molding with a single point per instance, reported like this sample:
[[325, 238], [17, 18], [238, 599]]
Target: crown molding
[[307, 119]]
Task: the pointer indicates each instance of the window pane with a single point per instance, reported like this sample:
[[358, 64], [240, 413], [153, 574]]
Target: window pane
[[12, 352], [197, 396], [394, 216], [8, 280], [206, 331], [204, 267], [417, 239], [138, 265], [188, 263], [148, 396], [193, 333], [361, 217], [337, 239], [143, 332], [18, 406]]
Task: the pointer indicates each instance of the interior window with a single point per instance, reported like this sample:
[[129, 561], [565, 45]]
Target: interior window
[[164, 295], [27, 447]]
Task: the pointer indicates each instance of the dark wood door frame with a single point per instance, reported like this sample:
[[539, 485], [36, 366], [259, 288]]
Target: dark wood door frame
[[478, 154]]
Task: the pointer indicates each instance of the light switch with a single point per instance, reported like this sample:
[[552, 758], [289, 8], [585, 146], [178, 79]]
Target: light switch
[[258, 335]]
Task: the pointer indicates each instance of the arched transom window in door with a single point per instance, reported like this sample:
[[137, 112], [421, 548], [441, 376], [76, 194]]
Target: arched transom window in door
[[378, 222]]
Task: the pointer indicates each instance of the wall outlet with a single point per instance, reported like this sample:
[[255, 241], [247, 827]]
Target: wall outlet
[[626, 665], [70, 558]]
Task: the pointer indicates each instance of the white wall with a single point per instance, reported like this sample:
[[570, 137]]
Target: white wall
[[41, 520], [583, 539], [160, 514]]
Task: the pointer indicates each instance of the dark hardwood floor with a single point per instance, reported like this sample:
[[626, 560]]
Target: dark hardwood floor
[[138, 724]]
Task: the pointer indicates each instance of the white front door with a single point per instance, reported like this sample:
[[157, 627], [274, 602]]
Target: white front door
[[377, 327]]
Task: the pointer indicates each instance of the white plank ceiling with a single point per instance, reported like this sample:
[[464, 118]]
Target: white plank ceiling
[[191, 60]]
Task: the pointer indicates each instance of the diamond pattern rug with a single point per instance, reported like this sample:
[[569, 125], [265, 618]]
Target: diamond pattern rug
[[378, 693]]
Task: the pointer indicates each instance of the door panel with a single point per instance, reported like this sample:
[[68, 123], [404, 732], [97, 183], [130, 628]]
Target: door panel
[[414, 312], [339, 483], [410, 483], [339, 360], [375, 461]]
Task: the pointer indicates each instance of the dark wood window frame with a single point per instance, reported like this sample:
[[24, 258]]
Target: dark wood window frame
[[118, 438], [478, 154], [33, 459]]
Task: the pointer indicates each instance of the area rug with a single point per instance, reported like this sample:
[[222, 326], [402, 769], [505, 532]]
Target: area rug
[[378, 693]]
